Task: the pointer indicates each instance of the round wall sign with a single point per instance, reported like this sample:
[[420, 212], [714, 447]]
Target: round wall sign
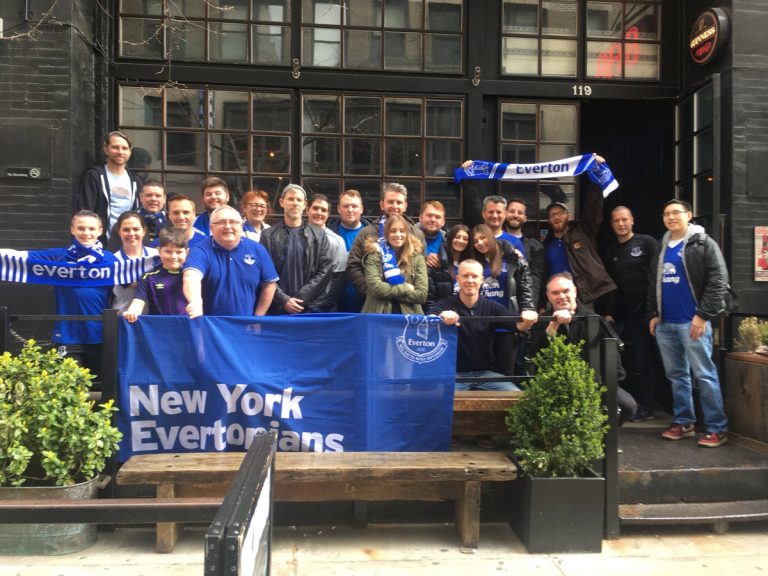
[[709, 35]]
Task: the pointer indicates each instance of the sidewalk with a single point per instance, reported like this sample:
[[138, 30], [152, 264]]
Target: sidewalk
[[418, 550]]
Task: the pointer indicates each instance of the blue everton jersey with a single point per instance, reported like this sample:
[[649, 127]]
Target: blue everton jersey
[[677, 303]]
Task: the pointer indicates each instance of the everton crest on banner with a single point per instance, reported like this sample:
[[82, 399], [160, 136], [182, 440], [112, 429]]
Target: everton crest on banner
[[322, 382]]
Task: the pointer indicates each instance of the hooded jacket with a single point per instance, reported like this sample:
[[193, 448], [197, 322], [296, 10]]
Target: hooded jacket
[[95, 194]]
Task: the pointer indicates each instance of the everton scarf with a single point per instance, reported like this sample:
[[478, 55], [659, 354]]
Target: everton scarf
[[155, 222], [600, 174], [392, 273]]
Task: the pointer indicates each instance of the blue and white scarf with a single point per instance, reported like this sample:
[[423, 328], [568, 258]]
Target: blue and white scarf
[[392, 273], [155, 221], [600, 174]]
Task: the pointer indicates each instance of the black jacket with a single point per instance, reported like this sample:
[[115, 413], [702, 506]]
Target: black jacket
[[95, 194], [519, 283]]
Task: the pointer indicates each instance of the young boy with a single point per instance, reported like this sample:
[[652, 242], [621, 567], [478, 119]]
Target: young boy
[[161, 289]]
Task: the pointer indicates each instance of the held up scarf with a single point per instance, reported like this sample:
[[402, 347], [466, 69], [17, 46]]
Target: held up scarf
[[392, 273]]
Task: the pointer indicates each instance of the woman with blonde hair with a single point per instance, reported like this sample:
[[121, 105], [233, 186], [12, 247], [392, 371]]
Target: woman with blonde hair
[[395, 270]]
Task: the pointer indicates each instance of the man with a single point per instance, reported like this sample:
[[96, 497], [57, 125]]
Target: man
[[688, 288], [572, 248], [110, 189], [629, 263], [181, 213], [431, 221], [317, 214], [494, 215], [517, 216], [301, 254], [562, 296], [474, 354], [214, 192], [348, 225], [152, 209], [394, 200], [228, 275]]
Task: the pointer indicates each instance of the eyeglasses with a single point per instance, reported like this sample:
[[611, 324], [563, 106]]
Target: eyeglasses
[[256, 205], [557, 213], [673, 213], [232, 223]]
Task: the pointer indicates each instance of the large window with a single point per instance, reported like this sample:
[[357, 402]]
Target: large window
[[694, 151]]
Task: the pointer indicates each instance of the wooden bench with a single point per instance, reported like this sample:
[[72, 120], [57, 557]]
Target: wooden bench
[[331, 476], [481, 413]]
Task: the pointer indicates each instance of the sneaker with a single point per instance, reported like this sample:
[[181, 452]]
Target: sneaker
[[678, 431], [641, 415], [712, 440]]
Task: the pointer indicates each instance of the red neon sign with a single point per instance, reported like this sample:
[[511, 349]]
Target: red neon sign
[[609, 62]]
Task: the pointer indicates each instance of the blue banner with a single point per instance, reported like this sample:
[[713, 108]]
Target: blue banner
[[323, 382]]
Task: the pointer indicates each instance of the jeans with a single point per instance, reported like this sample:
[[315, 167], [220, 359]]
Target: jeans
[[497, 386], [681, 355]]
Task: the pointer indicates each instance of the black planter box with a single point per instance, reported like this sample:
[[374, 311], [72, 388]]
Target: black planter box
[[553, 515]]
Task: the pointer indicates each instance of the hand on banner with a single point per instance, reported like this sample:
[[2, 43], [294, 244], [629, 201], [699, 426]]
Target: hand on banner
[[194, 308], [450, 318], [529, 318]]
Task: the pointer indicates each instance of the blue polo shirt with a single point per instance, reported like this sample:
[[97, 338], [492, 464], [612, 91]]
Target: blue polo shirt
[[514, 240], [203, 223], [231, 278]]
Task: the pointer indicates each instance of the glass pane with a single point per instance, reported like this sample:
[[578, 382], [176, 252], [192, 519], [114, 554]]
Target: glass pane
[[362, 156], [641, 61], [520, 17], [272, 154], [321, 12], [230, 110], [364, 13], [559, 18], [604, 59], [272, 45], [186, 40], [518, 153], [446, 193], [549, 152], [557, 192], [140, 106], [320, 155], [228, 42], [402, 51], [272, 185], [321, 114], [362, 115], [272, 10], [443, 118], [444, 15], [684, 191], [518, 121], [703, 106], [141, 38], [684, 160], [403, 117], [703, 149], [362, 49], [272, 112], [525, 191], [519, 56], [558, 57], [321, 47], [642, 21], [558, 123], [185, 108], [229, 152], [402, 14], [327, 186], [370, 190], [442, 157], [186, 9], [186, 184], [185, 150], [684, 115], [403, 158], [604, 19], [237, 183], [147, 7], [443, 53], [703, 194], [147, 153], [227, 9]]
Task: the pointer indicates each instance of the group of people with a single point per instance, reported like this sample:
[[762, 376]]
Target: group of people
[[229, 261]]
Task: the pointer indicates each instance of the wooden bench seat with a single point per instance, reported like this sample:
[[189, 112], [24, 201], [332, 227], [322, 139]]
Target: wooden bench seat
[[331, 476], [481, 412]]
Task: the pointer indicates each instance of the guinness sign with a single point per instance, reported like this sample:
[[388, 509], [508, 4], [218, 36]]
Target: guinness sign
[[709, 35]]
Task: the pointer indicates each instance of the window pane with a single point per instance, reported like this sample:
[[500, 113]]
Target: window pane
[[362, 49], [320, 155], [558, 123], [443, 53], [604, 59], [703, 148], [403, 117], [558, 57], [230, 110], [444, 15], [229, 152], [327, 186], [322, 12], [402, 14], [520, 17], [364, 13], [141, 38], [148, 7], [272, 45], [362, 156], [228, 9], [443, 118], [684, 160], [370, 190], [321, 47], [604, 20], [549, 152], [147, 153], [703, 194], [186, 9], [518, 153], [186, 184], [442, 157], [525, 191], [228, 42], [140, 106], [402, 51], [186, 40], [272, 112], [272, 154], [444, 192], [321, 114], [362, 115], [559, 18], [403, 158], [185, 108], [641, 61], [557, 192], [642, 21], [185, 150], [684, 191], [272, 10], [684, 119], [520, 56], [272, 185], [518, 121], [703, 106]]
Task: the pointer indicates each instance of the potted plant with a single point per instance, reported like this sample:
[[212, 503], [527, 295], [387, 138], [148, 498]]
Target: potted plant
[[54, 443], [557, 431]]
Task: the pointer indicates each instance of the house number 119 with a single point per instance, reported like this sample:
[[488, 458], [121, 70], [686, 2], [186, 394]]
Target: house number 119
[[582, 90]]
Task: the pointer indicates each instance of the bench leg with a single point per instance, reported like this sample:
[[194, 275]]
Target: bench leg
[[468, 514], [167, 532]]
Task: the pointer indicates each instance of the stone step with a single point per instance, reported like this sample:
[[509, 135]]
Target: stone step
[[718, 514]]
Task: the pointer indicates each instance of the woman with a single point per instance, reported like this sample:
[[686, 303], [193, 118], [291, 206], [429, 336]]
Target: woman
[[255, 208], [458, 247], [442, 280], [131, 230], [395, 271]]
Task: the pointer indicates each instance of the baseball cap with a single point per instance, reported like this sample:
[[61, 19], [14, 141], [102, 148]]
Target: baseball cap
[[293, 187], [557, 205]]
